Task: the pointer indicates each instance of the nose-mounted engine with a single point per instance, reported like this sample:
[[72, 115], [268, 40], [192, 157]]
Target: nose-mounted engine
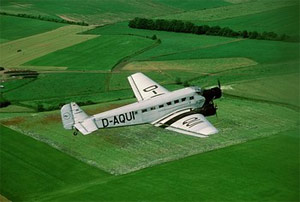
[[209, 108]]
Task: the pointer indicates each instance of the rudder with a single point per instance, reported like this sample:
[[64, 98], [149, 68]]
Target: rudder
[[72, 114]]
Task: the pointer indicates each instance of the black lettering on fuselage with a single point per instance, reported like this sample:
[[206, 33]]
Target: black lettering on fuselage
[[118, 119], [129, 118], [122, 118], [105, 123]]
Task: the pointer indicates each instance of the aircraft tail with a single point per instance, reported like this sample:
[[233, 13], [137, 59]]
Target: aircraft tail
[[71, 114]]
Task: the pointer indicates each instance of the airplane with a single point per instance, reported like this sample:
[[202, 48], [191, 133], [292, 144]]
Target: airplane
[[181, 110]]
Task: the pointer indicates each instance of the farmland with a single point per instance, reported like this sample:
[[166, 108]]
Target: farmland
[[16, 28], [35, 46], [254, 157], [232, 11], [85, 56]]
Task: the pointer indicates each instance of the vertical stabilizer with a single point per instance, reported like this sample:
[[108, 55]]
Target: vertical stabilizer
[[72, 114]]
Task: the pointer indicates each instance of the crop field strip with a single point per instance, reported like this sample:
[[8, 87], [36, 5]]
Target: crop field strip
[[118, 150], [13, 28], [41, 44], [193, 65], [242, 168], [279, 20], [276, 149], [85, 56], [110, 12], [232, 11]]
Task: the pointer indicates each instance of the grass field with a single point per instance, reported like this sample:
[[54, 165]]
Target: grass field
[[280, 21], [101, 53], [123, 150], [41, 44], [232, 11], [13, 28], [29, 160], [235, 173], [94, 12], [196, 65], [58, 85], [236, 170], [255, 155], [287, 89]]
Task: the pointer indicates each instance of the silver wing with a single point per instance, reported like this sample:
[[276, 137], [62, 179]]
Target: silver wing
[[188, 123], [144, 88]]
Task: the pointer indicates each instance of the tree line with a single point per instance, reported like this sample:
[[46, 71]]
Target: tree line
[[188, 27], [45, 18]]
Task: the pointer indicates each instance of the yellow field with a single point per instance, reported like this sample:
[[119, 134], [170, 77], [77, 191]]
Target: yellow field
[[193, 65], [15, 53], [232, 10]]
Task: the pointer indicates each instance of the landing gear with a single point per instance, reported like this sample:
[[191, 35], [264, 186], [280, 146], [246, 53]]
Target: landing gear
[[75, 131]]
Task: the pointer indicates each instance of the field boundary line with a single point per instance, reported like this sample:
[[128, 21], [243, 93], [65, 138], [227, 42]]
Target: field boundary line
[[122, 62], [281, 104], [193, 49]]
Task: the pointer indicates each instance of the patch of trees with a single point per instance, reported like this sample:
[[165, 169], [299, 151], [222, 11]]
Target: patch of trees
[[188, 27], [179, 82], [41, 107], [4, 102], [45, 18], [22, 73]]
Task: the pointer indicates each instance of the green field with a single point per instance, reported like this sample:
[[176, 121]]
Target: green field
[[232, 11], [95, 12], [96, 54], [14, 53], [123, 150], [36, 163], [231, 172], [255, 155], [278, 20], [13, 28], [264, 89]]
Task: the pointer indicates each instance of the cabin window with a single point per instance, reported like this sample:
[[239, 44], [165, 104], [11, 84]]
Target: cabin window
[[183, 99], [169, 103], [161, 106], [192, 97], [144, 110], [176, 101], [152, 108]]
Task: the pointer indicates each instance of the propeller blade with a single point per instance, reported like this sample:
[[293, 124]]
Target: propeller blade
[[219, 83]]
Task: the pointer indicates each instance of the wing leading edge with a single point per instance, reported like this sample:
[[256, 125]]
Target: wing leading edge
[[145, 88], [187, 122]]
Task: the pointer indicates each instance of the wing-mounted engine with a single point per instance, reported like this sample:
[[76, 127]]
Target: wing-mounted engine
[[209, 108]]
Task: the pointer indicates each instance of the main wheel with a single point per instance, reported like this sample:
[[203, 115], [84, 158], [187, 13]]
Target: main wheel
[[75, 133]]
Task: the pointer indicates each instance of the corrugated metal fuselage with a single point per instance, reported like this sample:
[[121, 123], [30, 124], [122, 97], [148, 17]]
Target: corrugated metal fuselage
[[150, 110]]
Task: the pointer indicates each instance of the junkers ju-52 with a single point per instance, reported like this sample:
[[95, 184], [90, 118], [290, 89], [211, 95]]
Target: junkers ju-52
[[182, 110]]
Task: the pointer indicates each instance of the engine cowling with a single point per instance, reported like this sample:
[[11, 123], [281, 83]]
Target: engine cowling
[[211, 94]]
